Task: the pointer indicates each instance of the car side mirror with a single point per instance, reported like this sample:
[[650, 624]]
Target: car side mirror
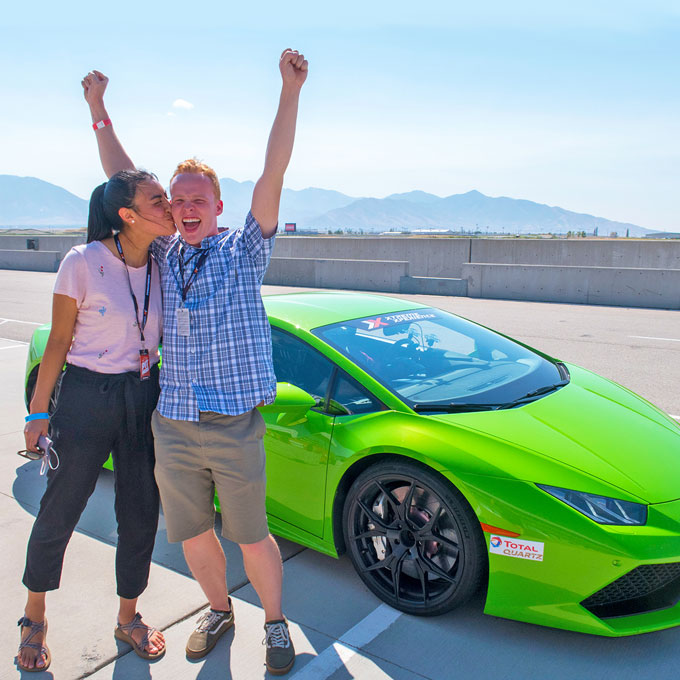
[[291, 401]]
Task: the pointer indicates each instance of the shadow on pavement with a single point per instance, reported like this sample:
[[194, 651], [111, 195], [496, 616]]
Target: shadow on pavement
[[121, 666], [522, 650], [217, 664], [99, 521]]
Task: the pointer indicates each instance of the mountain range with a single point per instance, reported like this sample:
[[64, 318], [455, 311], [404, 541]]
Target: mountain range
[[31, 202]]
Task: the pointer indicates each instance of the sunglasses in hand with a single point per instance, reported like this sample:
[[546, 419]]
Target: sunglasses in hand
[[45, 452]]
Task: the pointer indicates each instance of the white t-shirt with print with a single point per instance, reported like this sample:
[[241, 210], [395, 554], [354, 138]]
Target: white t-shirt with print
[[106, 337]]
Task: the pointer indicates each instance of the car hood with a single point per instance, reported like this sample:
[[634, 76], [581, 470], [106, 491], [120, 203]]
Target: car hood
[[594, 426]]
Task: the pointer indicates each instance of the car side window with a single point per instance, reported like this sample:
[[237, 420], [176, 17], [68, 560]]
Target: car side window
[[300, 364], [349, 397]]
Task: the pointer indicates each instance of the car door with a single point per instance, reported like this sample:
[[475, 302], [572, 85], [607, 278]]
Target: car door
[[297, 451]]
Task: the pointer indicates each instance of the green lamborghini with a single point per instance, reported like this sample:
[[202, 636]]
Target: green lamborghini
[[443, 457]]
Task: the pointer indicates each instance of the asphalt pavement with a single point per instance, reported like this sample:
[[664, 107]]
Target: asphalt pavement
[[340, 630]]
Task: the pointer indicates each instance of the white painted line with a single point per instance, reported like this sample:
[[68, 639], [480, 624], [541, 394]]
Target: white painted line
[[378, 621], [349, 644], [14, 345], [31, 323], [21, 342], [676, 417], [646, 337]]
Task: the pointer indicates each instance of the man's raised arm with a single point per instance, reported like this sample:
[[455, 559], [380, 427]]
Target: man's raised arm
[[267, 192], [111, 151]]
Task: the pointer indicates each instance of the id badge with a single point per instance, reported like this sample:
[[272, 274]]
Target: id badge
[[183, 322], [144, 364]]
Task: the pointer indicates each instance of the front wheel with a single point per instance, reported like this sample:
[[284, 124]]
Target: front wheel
[[413, 538]]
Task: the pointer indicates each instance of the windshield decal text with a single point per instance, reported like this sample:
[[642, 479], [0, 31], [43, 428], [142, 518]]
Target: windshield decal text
[[395, 319]]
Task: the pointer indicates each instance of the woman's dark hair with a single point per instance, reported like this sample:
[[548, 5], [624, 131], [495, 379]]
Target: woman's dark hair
[[108, 198]]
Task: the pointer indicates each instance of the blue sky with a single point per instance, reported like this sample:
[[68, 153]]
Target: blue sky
[[571, 104]]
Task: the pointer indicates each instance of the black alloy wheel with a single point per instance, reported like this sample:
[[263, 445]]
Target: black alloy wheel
[[413, 538]]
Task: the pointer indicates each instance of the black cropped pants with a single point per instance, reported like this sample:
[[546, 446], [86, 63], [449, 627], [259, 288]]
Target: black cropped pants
[[99, 413]]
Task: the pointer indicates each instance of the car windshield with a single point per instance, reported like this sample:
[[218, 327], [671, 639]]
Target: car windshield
[[430, 359]]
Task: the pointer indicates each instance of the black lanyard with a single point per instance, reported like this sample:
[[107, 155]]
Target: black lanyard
[[201, 256], [147, 289]]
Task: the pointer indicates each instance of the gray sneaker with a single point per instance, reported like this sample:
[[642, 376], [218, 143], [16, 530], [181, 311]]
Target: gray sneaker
[[280, 650], [210, 627]]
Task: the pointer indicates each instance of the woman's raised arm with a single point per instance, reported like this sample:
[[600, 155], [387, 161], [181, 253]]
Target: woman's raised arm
[[111, 151]]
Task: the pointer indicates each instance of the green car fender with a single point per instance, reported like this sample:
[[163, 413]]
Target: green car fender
[[36, 349]]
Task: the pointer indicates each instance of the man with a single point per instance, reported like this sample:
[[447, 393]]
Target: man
[[217, 368]]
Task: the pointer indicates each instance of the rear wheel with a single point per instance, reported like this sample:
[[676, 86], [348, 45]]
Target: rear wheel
[[30, 389], [413, 538]]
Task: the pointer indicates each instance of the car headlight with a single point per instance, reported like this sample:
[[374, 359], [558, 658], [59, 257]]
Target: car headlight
[[600, 509]]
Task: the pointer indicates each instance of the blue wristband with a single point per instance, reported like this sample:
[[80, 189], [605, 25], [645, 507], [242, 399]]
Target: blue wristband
[[37, 416]]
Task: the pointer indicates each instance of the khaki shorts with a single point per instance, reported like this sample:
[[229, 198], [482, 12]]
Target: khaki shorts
[[220, 452]]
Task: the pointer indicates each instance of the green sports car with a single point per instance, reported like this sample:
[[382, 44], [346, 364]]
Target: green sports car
[[444, 457]]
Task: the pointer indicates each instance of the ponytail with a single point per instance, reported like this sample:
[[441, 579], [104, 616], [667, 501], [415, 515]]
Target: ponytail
[[98, 225], [108, 198]]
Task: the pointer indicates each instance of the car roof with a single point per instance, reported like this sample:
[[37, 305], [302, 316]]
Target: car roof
[[313, 309]]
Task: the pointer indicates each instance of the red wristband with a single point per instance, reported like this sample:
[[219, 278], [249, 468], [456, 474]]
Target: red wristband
[[99, 125]]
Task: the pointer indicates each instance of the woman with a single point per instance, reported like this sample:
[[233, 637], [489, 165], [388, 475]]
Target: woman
[[106, 326]]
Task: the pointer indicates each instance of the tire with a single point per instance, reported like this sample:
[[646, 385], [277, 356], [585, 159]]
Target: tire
[[30, 389], [413, 538]]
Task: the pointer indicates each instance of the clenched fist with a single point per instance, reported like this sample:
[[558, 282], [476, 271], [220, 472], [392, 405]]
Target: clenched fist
[[293, 67], [94, 84]]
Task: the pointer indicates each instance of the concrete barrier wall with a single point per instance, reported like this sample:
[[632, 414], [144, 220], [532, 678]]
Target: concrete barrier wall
[[434, 257], [30, 260], [630, 273], [613, 272], [60, 244], [430, 285], [377, 275], [444, 257], [575, 252], [627, 287]]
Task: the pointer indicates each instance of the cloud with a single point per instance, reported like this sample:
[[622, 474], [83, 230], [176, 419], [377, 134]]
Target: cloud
[[182, 104]]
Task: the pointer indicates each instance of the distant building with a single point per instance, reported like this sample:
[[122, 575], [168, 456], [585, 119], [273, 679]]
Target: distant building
[[432, 232], [290, 229], [663, 234]]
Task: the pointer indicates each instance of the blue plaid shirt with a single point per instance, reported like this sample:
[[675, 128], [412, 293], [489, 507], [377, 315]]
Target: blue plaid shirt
[[225, 364]]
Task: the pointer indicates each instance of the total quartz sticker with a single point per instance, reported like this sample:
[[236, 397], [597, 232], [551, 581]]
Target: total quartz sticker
[[513, 547]]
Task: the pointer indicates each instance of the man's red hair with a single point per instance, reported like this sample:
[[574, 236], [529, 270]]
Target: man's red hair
[[195, 167]]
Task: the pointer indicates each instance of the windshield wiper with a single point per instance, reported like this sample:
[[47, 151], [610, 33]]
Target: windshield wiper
[[535, 393], [466, 408], [453, 408]]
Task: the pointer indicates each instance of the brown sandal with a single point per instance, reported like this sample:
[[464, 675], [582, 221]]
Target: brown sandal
[[42, 649], [123, 632]]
